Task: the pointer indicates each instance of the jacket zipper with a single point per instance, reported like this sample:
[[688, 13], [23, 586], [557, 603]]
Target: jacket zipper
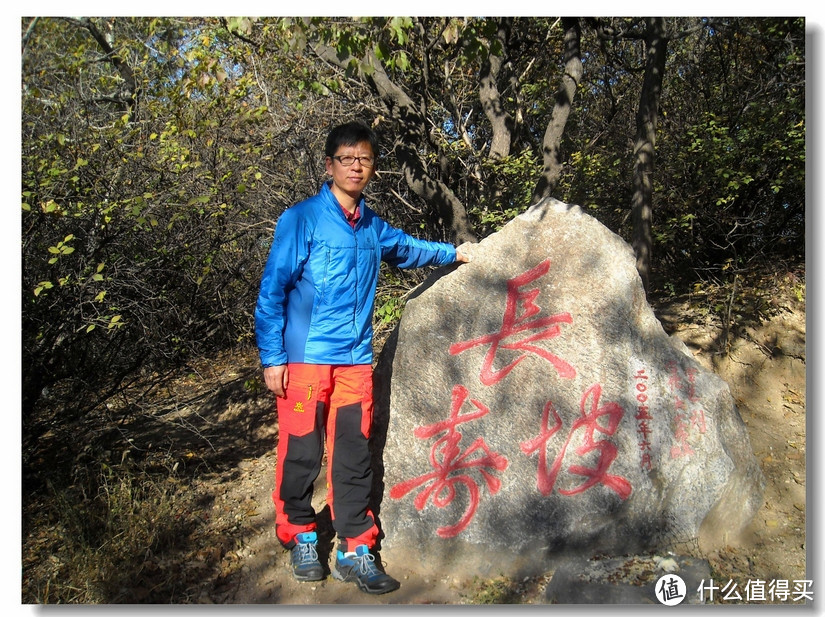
[[355, 305]]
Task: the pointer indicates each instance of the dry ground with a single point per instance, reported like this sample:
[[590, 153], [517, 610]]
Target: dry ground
[[213, 429]]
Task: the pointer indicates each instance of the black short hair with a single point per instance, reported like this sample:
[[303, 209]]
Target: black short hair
[[349, 134]]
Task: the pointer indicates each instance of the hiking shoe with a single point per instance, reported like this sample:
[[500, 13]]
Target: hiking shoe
[[305, 564], [359, 567]]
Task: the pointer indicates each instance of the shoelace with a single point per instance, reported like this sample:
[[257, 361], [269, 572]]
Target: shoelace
[[306, 553], [366, 564]]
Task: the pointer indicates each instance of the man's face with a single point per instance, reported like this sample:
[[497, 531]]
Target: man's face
[[353, 179]]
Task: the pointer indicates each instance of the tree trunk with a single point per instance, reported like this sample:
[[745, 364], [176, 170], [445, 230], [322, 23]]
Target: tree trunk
[[645, 146], [561, 110], [127, 96], [500, 121]]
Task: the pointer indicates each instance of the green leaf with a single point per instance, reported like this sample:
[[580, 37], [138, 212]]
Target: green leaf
[[42, 286], [402, 62]]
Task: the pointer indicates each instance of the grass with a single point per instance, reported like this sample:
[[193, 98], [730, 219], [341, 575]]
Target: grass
[[504, 590], [498, 590], [104, 534]]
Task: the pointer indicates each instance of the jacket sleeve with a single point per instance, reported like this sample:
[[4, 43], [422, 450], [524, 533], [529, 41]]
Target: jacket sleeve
[[404, 251], [283, 268]]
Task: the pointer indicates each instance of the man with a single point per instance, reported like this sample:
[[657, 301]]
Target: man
[[313, 325]]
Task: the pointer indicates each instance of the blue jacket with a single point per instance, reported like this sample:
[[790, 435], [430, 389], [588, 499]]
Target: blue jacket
[[317, 292]]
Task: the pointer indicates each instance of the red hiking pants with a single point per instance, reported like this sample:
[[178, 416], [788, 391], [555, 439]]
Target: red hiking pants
[[332, 404]]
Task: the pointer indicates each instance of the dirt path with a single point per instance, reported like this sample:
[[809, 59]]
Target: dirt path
[[264, 576]]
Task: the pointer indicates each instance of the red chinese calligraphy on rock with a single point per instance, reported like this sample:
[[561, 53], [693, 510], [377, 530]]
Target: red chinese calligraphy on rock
[[685, 426], [451, 465], [643, 419], [589, 421], [681, 433], [518, 321], [545, 477]]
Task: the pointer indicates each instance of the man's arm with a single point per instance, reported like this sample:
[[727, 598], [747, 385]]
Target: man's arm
[[405, 251], [283, 267]]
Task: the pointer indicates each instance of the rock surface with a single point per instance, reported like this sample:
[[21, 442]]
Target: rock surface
[[530, 405]]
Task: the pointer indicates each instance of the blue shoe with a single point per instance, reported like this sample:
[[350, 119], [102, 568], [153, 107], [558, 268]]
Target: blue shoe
[[359, 567], [305, 564]]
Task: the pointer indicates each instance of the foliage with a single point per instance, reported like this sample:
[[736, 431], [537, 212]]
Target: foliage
[[738, 146], [140, 229], [518, 176], [158, 152], [389, 310]]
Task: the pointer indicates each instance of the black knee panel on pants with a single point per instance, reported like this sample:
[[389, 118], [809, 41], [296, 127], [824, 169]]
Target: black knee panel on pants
[[301, 468], [351, 473]]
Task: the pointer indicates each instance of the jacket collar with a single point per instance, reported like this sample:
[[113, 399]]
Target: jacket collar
[[332, 200]]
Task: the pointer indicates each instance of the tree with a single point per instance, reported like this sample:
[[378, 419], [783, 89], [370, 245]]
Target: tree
[[139, 244], [158, 153], [573, 70], [738, 143], [644, 147]]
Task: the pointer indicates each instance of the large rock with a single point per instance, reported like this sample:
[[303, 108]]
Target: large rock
[[530, 404]]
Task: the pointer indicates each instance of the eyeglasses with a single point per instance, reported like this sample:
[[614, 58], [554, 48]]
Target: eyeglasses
[[346, 161]]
